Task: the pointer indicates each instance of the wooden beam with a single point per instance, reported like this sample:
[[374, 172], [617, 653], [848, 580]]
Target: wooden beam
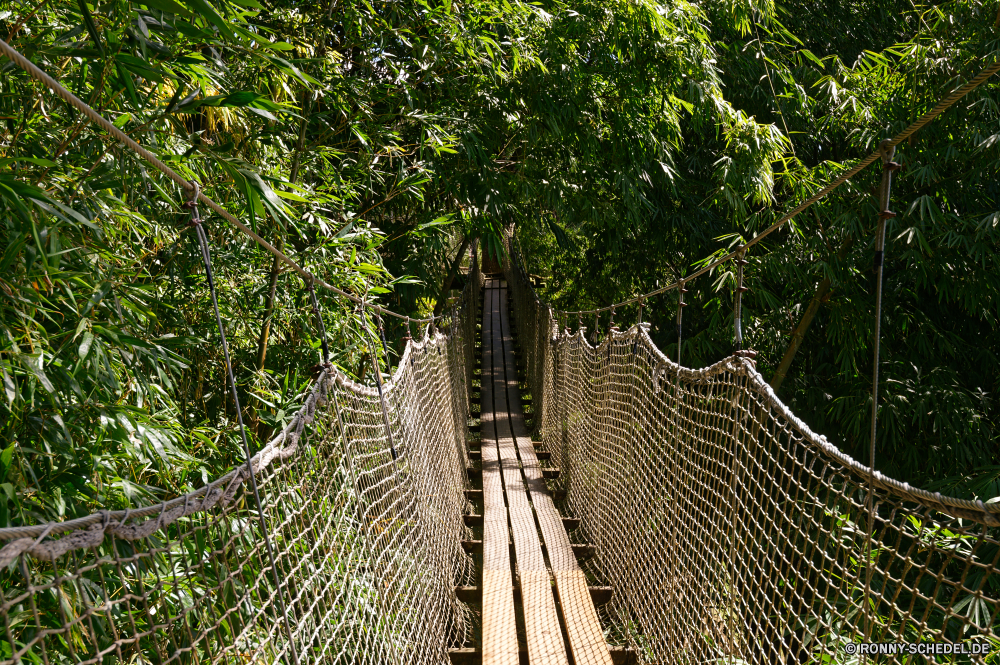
[[623, 656], [601, 594]]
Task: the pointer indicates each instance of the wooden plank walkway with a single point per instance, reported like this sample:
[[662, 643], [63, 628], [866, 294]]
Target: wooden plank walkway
[[512, 477], [499, 624]]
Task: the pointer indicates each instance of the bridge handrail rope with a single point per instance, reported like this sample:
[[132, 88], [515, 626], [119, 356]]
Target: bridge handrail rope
[[222, 489], [38, 74], [738, 456], [978, 511], [913, 128]]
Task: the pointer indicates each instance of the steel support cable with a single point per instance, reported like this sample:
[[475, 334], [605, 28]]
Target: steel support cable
[[206, 258], [913, 128], [39, 75], [680, 315], [738, 300]]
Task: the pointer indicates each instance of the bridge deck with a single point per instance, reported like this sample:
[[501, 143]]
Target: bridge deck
[[515, 495]]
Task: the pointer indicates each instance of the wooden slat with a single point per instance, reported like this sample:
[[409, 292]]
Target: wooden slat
[[579, 614], [543, 633], [499, 625]]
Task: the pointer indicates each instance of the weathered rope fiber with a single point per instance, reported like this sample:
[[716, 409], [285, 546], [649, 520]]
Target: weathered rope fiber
[[90, 531], [728, 530], [367, 548]]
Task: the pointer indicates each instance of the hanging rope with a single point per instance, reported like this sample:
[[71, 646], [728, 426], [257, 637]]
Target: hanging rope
[[378, 383], [206, 258], [741, 288], [889, 167], [680, 315], [638, 322], [319, 322], [738, 301]]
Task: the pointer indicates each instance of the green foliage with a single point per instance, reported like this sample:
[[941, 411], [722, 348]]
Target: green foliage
[[114, 385], [626, 141], [809, 87]]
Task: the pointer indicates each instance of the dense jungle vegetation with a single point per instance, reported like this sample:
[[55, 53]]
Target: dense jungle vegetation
[[625, 141]]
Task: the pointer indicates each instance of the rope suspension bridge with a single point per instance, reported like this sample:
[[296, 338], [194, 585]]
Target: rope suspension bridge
[[663, 515]]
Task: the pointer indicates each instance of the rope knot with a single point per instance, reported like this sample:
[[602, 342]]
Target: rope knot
[[887, 150]]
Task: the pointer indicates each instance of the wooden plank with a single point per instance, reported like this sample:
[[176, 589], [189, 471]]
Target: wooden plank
[[583, 626], [599, 594], [499, 625], [543, 633]]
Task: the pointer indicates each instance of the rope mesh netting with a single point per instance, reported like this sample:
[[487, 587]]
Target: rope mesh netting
[[729, 531], [368, 547]]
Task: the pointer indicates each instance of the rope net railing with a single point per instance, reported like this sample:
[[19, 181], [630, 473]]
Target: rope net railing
[[728, 530], [367, 543]]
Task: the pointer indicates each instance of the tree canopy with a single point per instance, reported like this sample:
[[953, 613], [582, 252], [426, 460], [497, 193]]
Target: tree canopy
[[625, 142]]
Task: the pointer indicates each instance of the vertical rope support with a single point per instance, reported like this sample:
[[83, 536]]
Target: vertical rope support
[[681, 290], [611, 332], [378, 383], [385, 346], [738, 299], [206, 258], [638, 326], [888, 167], [321, 327]]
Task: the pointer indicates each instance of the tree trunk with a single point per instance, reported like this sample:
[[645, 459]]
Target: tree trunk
[[807, 318], [450, 277]]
